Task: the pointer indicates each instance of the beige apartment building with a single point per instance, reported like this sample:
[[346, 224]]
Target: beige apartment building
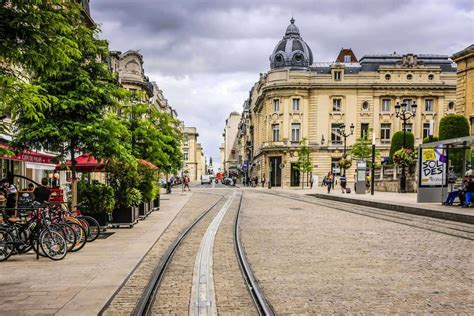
[[193, 154], [230, 149], [465, 82], [300, 98]]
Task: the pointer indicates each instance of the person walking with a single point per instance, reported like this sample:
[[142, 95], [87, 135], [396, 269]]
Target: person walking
[[329, 180], [256, 181], [263, 181], [186, 183], [311, 180], [343, 181]]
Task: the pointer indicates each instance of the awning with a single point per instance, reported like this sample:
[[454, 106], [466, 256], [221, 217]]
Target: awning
[[87, 163], [31, 156]]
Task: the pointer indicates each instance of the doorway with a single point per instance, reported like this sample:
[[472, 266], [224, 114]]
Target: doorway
[[275, 173], [295, 175]]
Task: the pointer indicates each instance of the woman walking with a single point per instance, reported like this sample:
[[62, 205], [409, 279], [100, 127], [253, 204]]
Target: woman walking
[[329, 180]]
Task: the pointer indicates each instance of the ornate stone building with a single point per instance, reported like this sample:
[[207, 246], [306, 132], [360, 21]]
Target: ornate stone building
[[193, 154], [465, 82], [299, 98], [230, 150]]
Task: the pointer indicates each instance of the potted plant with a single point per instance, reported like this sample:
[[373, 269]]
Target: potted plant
[[404, 157], [148, 186], [97, 200], [345, 163], [124, 178]]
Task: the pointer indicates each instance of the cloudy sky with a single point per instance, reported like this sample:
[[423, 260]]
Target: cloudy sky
[[206, 55]]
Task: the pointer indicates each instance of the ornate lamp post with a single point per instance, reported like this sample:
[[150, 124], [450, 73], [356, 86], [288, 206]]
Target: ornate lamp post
[[405, 114], [342, 132]]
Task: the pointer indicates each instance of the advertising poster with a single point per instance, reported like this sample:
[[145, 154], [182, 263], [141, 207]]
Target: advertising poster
[[433, 167]]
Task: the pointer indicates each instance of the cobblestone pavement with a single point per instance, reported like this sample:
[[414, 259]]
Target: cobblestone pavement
[[128, 296], [83, 282], [314, 259], [174, 292], [231, 292]]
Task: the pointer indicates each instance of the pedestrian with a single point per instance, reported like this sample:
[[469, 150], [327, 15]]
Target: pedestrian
[[467, 195], [343, 181], [311, 181], [42, 192], [329, 180], [263, 181], [256, 181], [186, 183]]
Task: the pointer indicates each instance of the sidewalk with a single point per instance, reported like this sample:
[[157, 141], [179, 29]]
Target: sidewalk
[[400, 202], [82, 283]]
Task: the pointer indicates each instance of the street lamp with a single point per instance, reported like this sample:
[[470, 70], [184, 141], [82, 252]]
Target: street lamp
[[404, 113], [342, 132]]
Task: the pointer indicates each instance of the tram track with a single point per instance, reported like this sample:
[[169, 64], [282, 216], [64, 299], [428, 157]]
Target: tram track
[[462, 231], [203, 295]]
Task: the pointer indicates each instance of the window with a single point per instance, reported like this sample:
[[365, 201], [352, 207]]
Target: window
[[336, 138], [387, 77], [426, 130], [409, 76], [337, 75], [186, 155], [336, 105], [365, 106], [429, 105], [408, 102], [364, 130], [385, 132], [276, 132], [295, 132], [347, 58], [451, 106], [386, 105], [409, 127], [296, 105], [276, 105]]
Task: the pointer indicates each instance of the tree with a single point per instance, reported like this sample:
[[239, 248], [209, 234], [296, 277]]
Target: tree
[[427, 140], [397, 142], [454, 126], [304, 160], [77, 120], [38, 39], [362, 150]]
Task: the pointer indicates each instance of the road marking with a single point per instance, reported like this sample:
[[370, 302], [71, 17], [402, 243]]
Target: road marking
[[202, 293]]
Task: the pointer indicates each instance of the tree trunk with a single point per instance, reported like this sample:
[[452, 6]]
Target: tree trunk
[[73, 179]]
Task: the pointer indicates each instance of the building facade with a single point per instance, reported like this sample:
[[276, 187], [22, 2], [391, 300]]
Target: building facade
[[193, 154], [231, 143], [465, 82], [299, 98]]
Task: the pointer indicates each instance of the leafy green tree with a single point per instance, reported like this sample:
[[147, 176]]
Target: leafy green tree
[[38, 39], [454, 126], [362, 150], [397, 142], [304, 161], [427, 140], [77, 120]]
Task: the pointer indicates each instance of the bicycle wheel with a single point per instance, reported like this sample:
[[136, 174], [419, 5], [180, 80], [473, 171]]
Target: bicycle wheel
[[52, 244], [69, 235], [81, 236], [6, 245], [94, 228]]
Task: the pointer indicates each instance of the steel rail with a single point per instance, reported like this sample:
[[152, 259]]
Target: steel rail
[[145, 303], [261, 303], [371, 214]]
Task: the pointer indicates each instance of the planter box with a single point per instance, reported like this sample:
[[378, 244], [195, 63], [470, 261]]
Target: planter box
[[102, 218], [126, 216], [156, 203], [143, 210]]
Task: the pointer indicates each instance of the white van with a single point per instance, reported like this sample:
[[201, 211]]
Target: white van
[[205, 179]]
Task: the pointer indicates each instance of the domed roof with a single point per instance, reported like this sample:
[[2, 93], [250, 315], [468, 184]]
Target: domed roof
[[292, 50]]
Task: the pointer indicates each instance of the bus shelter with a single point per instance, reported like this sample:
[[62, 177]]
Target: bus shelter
[[442, 165]]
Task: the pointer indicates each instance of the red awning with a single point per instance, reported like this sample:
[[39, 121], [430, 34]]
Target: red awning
[[87, 163], [30, 156], [147, 164]]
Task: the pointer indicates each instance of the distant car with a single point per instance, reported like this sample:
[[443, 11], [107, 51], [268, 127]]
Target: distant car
[[206, 179]]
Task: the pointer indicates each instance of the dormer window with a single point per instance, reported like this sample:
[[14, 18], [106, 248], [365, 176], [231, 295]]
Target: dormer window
[[347, 58], [337, 75]]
